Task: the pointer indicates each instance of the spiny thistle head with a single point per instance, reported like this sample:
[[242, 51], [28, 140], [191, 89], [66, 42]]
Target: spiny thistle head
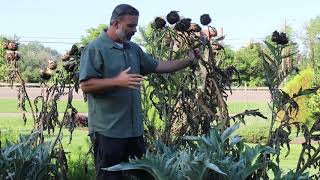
[[11, 56], [194, 27], [45, 75], [69, 66], [66, 57], [52, 65], [205, 19], [173, 17], [279, 38], [183, 25], [10, 45], [159, 23], [74, 50], [217, 46]]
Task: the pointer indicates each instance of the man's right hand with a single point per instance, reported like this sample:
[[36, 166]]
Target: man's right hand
[[132, 81]]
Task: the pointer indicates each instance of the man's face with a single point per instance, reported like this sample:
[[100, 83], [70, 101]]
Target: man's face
[[126, 27]]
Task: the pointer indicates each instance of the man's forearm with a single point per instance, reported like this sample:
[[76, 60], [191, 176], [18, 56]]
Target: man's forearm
[[172, 66], [98, 85]]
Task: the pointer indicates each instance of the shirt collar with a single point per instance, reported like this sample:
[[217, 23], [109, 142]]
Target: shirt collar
[[110, 43]]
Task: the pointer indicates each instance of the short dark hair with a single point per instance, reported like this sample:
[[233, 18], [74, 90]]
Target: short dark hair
[[121, 10]]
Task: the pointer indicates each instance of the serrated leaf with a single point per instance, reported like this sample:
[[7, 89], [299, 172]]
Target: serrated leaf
[[235, 140], [128, 166], [191, 138], [229, 131], [214, 168]]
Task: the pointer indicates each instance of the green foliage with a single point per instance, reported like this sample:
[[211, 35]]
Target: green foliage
[[313, 44], [3, 67], [249, 65], [228, 56], [81, 168], [285, 108], [35, 56], [22, 160], [313, 105], [291, 175], [92, 33], [197, 104], [254, 133], [302, 80], [3, 72], [215, 156]]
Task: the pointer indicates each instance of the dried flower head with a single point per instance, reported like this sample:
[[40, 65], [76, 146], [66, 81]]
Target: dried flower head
[[10, 45], [159, 23], [52, 65], [66, 57], [81, 120], [183, 25], [173, 17], [205, 19], [45, 75], [12, 55], [69, 66], [74, 50], [194, 27], [212, 32], [275, 36], [217, 46], [283, 38], [279, 38]]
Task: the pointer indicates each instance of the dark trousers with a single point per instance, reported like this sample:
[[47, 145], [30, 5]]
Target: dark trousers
[[111, 151]]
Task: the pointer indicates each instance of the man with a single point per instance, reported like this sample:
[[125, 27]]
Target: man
[[111, 72]]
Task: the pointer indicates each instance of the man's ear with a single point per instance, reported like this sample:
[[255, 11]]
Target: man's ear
[[116, 24]]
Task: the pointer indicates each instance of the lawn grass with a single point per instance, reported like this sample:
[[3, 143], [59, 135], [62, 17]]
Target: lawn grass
[[12, 130], [238, 107], [12, 126], [80, 141], [76, 151], [11, 105]]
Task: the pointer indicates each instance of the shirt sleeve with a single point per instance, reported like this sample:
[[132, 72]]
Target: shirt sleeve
[[91, 64], [147, 63]]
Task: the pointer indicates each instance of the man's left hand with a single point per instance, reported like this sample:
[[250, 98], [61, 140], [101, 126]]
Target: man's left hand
[[194, 55]]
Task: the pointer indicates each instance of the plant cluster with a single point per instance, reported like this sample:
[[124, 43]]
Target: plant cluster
[[56, 83], [192, 101]]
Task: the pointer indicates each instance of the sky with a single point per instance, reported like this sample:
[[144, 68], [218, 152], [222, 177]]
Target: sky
[[59, 23]]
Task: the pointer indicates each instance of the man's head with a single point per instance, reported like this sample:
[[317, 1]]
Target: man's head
[[124, 20]]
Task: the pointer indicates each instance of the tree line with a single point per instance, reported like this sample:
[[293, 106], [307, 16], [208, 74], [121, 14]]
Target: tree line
[[35, 56]]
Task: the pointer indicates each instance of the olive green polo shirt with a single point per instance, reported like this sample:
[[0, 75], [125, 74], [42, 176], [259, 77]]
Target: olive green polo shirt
[[116, 112]]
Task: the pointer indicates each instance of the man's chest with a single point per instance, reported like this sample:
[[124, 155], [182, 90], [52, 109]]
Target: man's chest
[[117, 60]]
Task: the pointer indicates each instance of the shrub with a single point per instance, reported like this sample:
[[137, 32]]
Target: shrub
[[22, 160], [214, 156], [302, 80], [254, 133]]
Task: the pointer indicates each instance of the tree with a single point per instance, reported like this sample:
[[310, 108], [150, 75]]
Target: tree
[[227, 56], [35, 56], [3, 67], [313, 44], [249, 65], [92, 33]]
